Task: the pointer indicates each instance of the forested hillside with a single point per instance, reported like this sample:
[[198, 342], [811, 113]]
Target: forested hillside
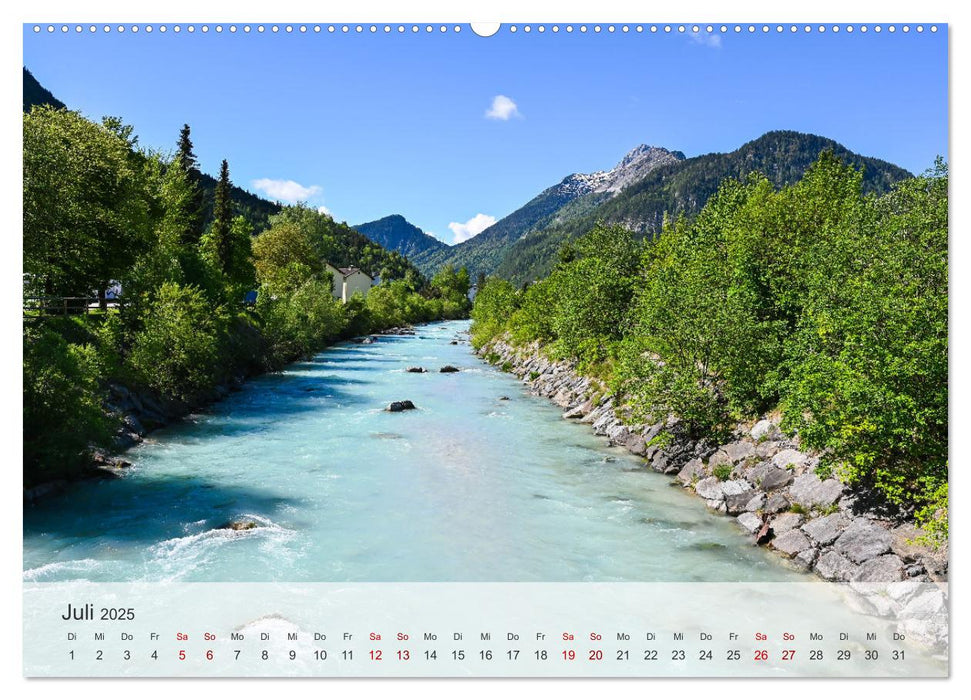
[[395, 233], [822, 299]]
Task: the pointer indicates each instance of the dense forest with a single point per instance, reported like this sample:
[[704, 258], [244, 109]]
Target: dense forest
[[205, 297], [821, 298]]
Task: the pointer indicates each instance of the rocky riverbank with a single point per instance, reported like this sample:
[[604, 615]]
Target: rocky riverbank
[[140, 411], [762, 479]]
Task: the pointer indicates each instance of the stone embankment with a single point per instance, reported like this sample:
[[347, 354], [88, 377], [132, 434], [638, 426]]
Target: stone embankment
[[762, 479], [769, 485]]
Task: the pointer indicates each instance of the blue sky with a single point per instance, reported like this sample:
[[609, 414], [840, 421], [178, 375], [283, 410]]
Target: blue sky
[[368, 125]]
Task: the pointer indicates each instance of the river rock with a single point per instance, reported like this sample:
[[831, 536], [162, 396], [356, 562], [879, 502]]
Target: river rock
[[776, 503], [134, 425], [710, 489], [735, 486], [593, 415], [882, 569], [618, 434], [774, 478], [904, 546], [835, 567], [806, 558], [744, 502], [904, 591], [789, 459], [738, 451], [929, 603], [807, 490], [239, 525], [763, 430], [791, 543], [448, 369], [718, 459], [416, 370], [781, 524], [692, 471], [397, 406], [766, 450], [862, 541], [636, 445], [576, 412], [367, 341], [825, 530], [503, 398], [750, 521], [125, 438]]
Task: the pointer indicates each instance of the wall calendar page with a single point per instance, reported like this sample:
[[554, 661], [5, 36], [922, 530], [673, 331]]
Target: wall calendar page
[[491, 350]]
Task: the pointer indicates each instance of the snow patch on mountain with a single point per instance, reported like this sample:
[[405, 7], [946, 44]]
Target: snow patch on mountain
[[634, 166]]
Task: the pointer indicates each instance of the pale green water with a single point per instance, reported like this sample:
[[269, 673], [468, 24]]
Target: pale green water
[[467, 488]]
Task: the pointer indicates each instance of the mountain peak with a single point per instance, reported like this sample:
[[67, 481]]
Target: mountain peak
[[638, 162], [395, 232], [639, 152]]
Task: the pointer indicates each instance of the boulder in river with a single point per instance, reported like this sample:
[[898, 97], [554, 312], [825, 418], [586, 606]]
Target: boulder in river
[[416, 370], [449, 368], [503, 398], [239, 525], [398, 406]]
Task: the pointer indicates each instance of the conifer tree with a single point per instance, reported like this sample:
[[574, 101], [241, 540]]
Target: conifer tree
[[186, 159], [222, 217], [186, 155]]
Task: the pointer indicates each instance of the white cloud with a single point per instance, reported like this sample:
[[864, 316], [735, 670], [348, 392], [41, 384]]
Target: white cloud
[[474, 226], [502, 108], [706, 38], [286, 190], [324, 210]]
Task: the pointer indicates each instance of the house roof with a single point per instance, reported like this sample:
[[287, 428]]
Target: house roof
[[348, 271]]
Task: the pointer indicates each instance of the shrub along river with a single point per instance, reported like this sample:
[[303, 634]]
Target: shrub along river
[[468, 487]]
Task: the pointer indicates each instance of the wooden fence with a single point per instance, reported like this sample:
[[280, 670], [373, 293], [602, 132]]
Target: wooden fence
[[62, 306]]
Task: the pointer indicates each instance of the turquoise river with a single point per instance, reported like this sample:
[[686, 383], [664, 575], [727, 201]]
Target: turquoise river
[[469, 487]]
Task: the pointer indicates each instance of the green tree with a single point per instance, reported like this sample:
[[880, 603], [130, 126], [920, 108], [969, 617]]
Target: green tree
[[85, 213], [868, 362], [63, 417], [285, 257], [177, 352], [222, 219], [495, 302], [451, 286], [195, 207], [594, 292]]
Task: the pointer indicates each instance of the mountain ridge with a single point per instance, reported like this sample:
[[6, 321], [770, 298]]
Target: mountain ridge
[[394, 232], [479, 253], [637, 194]]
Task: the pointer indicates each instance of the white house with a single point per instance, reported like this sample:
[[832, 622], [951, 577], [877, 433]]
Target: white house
[[348, 281]]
